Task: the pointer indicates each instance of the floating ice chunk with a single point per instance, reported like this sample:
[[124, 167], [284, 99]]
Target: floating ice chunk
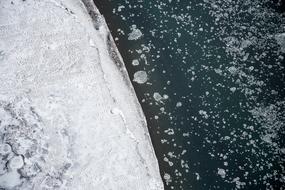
[[10, 180], [204, 114], [233, 89], [157, 96], [233, 70], [120, 8], [178, 104], [167, 178], [169, 131], [222, 172], [135, 34], [197, 176], [140, 77], [135, 62], [280, 38], [16, 163]]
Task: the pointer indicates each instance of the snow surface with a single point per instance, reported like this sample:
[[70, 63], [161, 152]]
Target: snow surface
[[69, 117]]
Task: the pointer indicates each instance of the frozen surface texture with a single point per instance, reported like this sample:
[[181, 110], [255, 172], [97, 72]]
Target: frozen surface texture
[[69, 117]]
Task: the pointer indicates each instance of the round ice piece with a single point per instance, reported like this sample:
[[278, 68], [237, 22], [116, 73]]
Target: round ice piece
[[135, 62], [16, 162], [5, 149], [140, 77]]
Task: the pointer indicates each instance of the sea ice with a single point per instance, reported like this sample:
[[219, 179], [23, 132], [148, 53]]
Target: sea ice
[[222, 172], [140, 77], [135, 62], [135, 33]]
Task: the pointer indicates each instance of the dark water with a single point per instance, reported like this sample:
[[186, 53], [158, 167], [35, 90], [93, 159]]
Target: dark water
[[214, 99]]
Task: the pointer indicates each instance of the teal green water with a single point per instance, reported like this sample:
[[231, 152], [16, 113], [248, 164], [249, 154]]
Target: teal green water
[[214, 99]]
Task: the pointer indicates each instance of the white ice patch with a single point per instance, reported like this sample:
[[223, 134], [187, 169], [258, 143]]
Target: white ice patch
[[135, 62], [203, 114], [197, 176], [135, 33], [140, 77], [233, 89], [157, 97], [222, 172], [178, 104], [167, 178], [280, 38]]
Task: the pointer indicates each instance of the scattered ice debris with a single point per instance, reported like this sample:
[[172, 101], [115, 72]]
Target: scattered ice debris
[[120, 8], [135, 62], [280, 38], [222, 172], [167, 178], [233, 70], [165, 96], [197, 176], [169, 131], [238, 183], [203, 114], [135, 33], [168, 161], [140, 77], [178, 104], [253, 59], [233, 89], [157, 97]]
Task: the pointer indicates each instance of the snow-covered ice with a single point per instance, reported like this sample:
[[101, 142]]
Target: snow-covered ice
[[69, 117]]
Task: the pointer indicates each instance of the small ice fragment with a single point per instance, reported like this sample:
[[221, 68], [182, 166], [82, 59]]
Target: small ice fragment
[[251, 68], [140, 77], [178, 104], [233, 89], [157, 96], [167, 178], [135, 34], [222, 172], [197, 176], [280, 38], [135, 62], [232, 70], [120, 8]]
